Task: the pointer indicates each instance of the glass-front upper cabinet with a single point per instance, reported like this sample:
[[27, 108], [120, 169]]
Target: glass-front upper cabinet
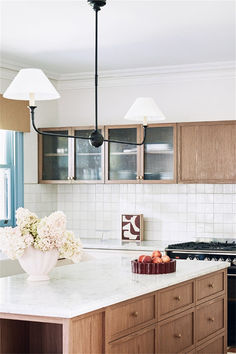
[[63, 160], [122, 159], [88, 159], [159, 154], [54, 156]]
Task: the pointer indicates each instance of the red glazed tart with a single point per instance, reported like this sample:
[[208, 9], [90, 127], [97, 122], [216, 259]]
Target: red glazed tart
[[153, 268]]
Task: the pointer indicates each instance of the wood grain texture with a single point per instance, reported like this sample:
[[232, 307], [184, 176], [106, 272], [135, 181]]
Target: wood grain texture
[[87, 335], [216, 345], [45, 338], [210, 285], [125, 318], [141, 342], [210, 318], [14, 336], [207, 152], [175, 299], [176, 334], [14, 115]]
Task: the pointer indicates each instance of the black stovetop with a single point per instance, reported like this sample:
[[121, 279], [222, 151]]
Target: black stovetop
[[220, 246]]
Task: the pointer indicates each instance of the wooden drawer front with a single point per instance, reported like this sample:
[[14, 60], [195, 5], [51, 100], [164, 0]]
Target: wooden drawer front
[[215, 346], [130, 315], [211, 285], [140, 342], [173, 299], [176, 335], [209, 318]]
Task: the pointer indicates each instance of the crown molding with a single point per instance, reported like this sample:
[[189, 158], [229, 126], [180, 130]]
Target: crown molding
[[133, 77], [149, 76], [8, 70]]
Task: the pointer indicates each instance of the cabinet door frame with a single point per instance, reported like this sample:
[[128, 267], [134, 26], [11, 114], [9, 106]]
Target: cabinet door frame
[[40, 157], [179, 144], [138, 159], [73, 160], [162, 181]]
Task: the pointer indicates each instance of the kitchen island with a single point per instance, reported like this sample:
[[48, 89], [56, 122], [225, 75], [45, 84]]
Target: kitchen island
[[99, 306]]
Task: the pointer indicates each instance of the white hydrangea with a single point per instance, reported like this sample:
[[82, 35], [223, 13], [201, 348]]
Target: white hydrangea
[[71, 248], [44, 234], [12, 243]]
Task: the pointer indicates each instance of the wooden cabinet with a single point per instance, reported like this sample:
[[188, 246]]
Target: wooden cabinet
[[140, 342], [176, 334], [214, 346], [146, 325], [63, 160], [207, 152], [128, 316], [175, 299]]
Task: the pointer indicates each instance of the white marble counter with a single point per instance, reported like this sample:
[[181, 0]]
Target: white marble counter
[[80, 288], [93, 243]]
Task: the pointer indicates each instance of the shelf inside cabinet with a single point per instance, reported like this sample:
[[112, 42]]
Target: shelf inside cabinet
[[51, 154], [162, 152], [88, 153], [123, 153]]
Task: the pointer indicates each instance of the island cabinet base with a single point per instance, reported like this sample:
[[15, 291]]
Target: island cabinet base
[[188, 318]]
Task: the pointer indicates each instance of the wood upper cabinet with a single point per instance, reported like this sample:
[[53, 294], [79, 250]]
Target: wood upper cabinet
[[63, 160], [207, 152], [153, 162]]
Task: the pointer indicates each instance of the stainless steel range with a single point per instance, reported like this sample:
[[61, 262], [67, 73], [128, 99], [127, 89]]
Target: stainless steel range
[[218, 250]]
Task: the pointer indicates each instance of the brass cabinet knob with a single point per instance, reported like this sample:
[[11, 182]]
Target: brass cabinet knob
[[212, 319], [137, 178], [141, 177], [211, 285], [178, 298], [179, 335], [68, 178], [135, 314]]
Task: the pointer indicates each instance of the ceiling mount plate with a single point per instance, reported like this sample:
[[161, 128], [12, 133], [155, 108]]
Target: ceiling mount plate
[[97, 4]]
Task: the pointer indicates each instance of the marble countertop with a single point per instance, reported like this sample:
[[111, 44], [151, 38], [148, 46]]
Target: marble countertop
[[93, 243], [90, 285]]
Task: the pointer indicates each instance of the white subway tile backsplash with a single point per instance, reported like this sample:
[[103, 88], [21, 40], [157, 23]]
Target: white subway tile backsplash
[[171, 212]]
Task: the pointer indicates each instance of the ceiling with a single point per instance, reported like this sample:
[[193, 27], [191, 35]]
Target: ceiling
[[57, 36]]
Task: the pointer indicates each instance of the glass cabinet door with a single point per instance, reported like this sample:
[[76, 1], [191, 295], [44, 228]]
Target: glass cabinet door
[[88, 159], [122, 158], [159, 153], [55, 156]]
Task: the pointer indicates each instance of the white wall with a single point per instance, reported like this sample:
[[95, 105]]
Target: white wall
[[195, 100]]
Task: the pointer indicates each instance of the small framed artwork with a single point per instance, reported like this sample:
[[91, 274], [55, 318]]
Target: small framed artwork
[[132, 227]]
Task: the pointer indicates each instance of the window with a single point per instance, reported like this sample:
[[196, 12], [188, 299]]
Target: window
[[11, 175]]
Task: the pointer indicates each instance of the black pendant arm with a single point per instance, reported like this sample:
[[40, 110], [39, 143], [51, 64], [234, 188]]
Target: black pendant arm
[[32, 108], [128, 143]]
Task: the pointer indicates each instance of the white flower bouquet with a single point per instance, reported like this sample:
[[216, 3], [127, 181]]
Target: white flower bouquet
[[43, 234]]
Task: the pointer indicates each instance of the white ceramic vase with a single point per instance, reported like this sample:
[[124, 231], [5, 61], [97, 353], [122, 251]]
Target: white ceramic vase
[[37, 263]]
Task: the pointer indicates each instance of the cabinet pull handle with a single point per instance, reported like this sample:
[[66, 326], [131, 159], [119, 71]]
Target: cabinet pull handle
[[135, 314], [137, 178], [178, 335], [212, 319], [211, 285], [68, 178], [141, 177], [178, 298]]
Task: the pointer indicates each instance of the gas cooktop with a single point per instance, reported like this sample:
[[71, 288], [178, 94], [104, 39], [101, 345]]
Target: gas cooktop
[[210, 246]]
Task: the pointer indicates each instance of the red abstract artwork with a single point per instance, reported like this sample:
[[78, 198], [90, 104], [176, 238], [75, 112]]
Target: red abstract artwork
[[132, 227]]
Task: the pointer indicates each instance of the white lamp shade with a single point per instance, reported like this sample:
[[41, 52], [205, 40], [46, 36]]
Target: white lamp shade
[[144, 109], [31, 81]]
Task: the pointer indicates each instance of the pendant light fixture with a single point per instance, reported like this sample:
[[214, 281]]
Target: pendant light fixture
[[33, 85]]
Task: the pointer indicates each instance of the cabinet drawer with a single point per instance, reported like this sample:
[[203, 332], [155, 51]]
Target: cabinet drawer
[[130, 315], [210, 285], [176, 334], [139, 342], [175, 298], [216, 346], [210, 318]]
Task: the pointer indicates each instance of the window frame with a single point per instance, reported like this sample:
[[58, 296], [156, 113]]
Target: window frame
[[15, 162]]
